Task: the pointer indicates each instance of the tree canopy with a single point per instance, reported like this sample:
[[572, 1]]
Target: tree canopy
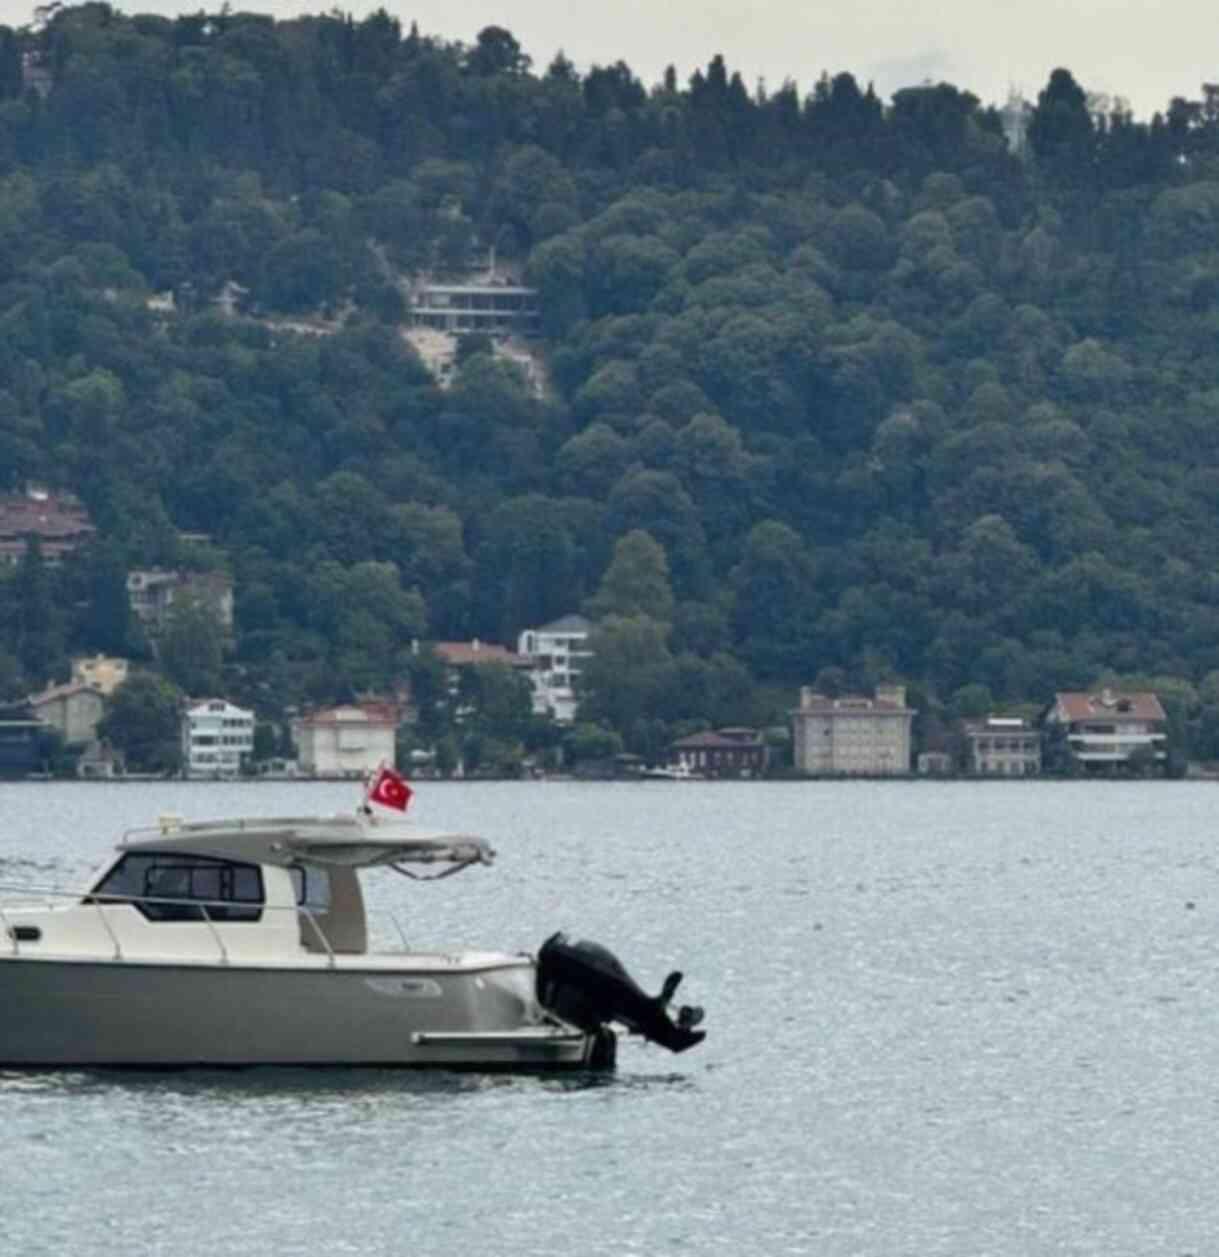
[[916, 388]]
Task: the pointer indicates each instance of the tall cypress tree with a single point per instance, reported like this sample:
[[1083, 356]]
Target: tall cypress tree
[[37, 644], [107, 623]]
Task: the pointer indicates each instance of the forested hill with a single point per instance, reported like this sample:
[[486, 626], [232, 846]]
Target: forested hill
[[891, 396]]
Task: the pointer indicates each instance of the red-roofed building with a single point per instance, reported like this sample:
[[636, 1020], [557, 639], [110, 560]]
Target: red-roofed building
[[1111, 729], [731, 752], [458, 656], [467, 654], [58, 520], [346, 741]]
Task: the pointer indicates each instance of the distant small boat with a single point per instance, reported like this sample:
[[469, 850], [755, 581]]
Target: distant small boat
[[671, 772]]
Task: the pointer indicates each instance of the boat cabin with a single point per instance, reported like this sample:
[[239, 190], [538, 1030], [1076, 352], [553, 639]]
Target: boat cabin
[[267, 889]]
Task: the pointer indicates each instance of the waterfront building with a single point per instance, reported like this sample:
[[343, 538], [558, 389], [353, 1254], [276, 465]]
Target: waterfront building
[[731, 752], [350, 740], [1003, 746], [217, 739], [852, 736], [1111, 729]]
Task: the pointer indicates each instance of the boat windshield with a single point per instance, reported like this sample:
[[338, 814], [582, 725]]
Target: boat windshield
[[179, 886]]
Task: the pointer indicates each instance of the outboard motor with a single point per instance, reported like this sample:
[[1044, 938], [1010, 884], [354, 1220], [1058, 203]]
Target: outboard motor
[[585, 984]]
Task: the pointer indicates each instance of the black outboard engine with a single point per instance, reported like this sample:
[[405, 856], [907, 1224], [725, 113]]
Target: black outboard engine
[[585, 984]]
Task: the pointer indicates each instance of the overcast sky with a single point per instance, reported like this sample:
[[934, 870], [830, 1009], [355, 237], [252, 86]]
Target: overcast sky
[[1135, 49]]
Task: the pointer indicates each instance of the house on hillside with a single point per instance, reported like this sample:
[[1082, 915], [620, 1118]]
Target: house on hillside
[[217, 739], [1111, 730], [59, 521], [154, 591], [349, 740], [558, 652], [457, 657], [852, 736], [495, 308], [74, 709], [104, 673]]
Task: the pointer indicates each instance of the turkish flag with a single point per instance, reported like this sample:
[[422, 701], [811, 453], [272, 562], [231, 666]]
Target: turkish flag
[[390, 790]]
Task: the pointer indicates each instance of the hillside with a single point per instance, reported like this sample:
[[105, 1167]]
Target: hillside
[[889, 395]]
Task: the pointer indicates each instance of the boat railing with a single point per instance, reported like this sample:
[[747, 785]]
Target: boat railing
[[210, 911]]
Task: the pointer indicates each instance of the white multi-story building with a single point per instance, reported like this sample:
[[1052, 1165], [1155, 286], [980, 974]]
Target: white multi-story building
[[216, 738], [852, 736], [1003, 746], [558, 652], [347, 741], [498, 308]]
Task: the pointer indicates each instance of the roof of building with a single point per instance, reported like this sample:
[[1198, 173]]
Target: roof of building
[[999, 724], [722, 739], [47, 514], [353, 713], [571, 623], [1109, 704], [55, 692], [201, 706], [214, 578], [497, 289], [462, 654], [849, 705]]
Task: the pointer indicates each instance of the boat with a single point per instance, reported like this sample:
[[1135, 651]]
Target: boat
[[681, 771], [245, 941]]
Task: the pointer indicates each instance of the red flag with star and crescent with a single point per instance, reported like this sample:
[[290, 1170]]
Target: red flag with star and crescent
[[390, 789]]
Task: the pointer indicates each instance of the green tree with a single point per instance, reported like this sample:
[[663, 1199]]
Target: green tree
[[1060, 131], [636, 581], [585, 741], [191, 648], [38, 636], [142, 722], [623, 683], [106, 625], [776, 602]]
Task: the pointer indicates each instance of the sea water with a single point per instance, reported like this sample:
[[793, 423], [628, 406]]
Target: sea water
[[955, 1019]]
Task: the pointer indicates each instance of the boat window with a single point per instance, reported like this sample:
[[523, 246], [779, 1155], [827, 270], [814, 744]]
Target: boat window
[[312, 886], [231, 891]]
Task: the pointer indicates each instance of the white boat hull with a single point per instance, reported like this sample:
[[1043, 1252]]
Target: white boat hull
[[92, 1013]]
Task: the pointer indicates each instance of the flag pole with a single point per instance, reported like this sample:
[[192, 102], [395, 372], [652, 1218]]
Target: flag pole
[[370, 776]]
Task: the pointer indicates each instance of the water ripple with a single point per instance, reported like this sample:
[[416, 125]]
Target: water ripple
[[944, 1021]]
